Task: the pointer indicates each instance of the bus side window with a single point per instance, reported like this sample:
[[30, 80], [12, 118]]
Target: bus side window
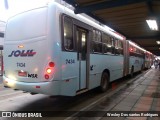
[[116, 47], [68, 34], [119, 47], [96, 42], [107, 44], [112, 49]]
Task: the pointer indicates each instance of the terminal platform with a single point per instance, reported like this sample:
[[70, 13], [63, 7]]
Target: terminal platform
[[140, 95]]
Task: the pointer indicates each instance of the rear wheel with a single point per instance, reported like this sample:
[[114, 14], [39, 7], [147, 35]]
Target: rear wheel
[[104, 82]]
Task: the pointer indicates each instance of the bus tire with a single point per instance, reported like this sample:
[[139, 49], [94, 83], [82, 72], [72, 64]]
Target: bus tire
[[132, 72], [104, 82]]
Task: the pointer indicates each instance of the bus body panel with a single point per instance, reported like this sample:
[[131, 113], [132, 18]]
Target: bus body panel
[[70, 68], [112, 63], [49, 88], [148, 60], [136, 57], [24, 49], [136, 62], [17, 61]]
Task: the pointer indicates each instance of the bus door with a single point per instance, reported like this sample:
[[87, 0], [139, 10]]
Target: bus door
[[81, 35]]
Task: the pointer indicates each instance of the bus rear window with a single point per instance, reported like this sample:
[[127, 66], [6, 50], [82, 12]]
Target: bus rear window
[[27, 25]]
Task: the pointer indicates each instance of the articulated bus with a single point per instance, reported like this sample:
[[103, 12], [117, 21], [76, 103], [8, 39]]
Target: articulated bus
[[52, 51]]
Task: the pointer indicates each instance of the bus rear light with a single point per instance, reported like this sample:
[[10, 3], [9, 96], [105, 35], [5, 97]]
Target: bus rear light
[[49, 70], [51, 64], [38, 87], [131, 49], [46, 76]]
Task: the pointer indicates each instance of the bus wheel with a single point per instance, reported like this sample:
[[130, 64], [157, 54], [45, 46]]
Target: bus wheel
[[132, 71], [104, 82]]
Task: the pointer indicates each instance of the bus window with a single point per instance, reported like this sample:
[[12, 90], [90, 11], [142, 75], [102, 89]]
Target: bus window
[[116, 47], [112, 42], [68, 34], [120, 47], [96, 42], [107, 44]]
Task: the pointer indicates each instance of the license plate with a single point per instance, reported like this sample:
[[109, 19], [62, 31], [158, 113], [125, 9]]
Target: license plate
[[22, 73]]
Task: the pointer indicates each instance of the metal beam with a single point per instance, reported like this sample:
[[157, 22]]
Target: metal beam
[[150, 46], [156, 51], [149, 5], [104, 5], [75, 4], [145, 37]]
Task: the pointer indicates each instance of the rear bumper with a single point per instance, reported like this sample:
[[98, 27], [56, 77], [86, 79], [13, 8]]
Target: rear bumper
[[49, 88], [59, 87]]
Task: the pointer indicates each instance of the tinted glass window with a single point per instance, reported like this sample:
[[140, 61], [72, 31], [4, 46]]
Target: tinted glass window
[[68, 34], [96, 41], [107, 44], [118, 47]]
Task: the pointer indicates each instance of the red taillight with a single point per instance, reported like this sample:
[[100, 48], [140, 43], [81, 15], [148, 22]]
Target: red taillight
[[51, 64], [131, 49], [38, 86], [46, 76], [49, 70]]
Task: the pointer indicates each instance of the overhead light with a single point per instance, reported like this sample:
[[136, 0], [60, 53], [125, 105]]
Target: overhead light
[[158, 42], [152, 24]]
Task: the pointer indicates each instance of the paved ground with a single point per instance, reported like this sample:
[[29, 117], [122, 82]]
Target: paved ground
[[140, 96]]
